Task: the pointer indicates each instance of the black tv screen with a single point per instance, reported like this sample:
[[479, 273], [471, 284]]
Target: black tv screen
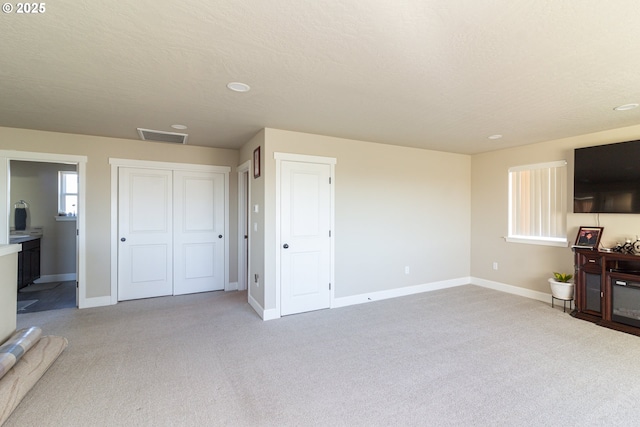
[[607, 178]]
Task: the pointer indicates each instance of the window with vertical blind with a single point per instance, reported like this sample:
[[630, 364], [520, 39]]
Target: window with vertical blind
[[538, 204]]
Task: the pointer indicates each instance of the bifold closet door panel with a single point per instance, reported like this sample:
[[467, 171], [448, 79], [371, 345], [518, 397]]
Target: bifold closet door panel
[[145, 233], [199, 231]]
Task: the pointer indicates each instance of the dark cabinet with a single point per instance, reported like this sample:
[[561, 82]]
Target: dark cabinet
[[28, 262], [589, 272], [607, 289], [593, 293]]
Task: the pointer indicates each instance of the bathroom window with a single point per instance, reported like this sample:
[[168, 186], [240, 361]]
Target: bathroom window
[[67, 193]]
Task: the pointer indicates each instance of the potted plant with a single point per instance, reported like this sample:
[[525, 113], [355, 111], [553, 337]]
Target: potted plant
[[561, 286]]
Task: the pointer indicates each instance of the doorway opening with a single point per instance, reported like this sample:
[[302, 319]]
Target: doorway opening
[[44, 198], [73, 251]]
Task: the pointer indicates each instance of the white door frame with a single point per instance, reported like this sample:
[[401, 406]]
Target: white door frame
[[331, 161], [81, 163], [141, 164], [244, 201]]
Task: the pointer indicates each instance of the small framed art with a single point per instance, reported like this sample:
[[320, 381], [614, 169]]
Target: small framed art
[[256, 163]]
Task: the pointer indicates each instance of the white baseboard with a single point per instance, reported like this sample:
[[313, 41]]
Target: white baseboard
[[411, 290], [264, 314], [56, 278], [510, 289], [270, 314], [95, 302], [232, 286], [399, 292], [257, 307]]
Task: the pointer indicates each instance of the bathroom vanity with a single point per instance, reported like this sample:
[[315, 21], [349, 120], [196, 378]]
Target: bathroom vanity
[[28, 259]]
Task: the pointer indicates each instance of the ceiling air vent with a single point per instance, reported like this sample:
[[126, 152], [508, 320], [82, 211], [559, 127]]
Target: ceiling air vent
[[160, 136]]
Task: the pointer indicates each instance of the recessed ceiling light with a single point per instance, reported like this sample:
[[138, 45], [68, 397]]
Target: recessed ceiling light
[[181, 127], [495, 137], [626, 107], [238, 87]]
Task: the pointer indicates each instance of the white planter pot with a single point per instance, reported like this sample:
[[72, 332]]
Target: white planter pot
[[561, 290]]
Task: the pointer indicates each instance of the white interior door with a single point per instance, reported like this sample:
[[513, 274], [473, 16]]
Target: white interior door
[[305, 253], [145, 227], [199, 232]]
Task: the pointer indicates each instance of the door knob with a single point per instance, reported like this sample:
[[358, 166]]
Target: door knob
[[122, 239], [219, 236], [286, 246]]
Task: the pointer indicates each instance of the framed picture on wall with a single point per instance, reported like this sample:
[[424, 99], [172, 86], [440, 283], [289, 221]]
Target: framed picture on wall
[[256, 163], [588, 237]]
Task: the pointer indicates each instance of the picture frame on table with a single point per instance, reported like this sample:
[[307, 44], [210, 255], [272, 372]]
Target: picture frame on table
[[588, 237]]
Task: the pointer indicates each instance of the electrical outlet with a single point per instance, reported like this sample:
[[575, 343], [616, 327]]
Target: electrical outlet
[[406, 269], [495, 265]]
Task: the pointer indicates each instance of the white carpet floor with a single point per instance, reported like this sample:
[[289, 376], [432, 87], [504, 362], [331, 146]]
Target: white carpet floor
[[459, 356]]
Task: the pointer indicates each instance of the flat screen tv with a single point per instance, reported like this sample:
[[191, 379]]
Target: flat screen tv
[[607, 178]]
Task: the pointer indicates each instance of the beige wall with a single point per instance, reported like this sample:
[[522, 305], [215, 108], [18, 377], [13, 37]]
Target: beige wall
[[523, 265], [8, 293], [395, 207], [256, 238], [98, 182], [37, 184]]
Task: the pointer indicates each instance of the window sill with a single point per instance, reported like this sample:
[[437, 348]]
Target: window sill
[[538, 241], [65, 218]]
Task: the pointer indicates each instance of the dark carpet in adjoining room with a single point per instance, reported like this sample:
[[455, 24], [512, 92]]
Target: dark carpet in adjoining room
[[49, 296]]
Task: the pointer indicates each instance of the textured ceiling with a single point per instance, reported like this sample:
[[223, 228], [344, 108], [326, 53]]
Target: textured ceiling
[[437, 74]]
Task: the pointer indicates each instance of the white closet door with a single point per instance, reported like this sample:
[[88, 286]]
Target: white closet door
[[199, 239], [145, 230]]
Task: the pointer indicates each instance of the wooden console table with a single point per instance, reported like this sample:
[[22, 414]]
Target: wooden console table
[[597, 275]]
